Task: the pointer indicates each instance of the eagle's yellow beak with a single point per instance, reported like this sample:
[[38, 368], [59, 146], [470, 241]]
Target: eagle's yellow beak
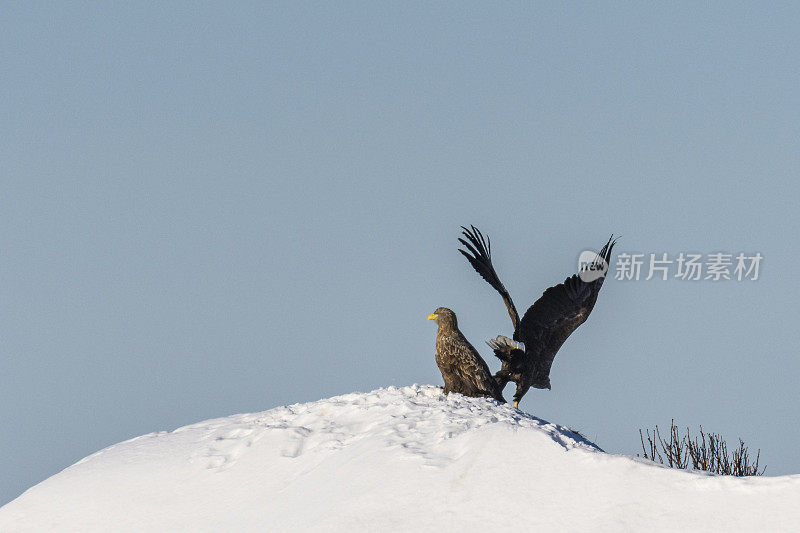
[[432, 316]]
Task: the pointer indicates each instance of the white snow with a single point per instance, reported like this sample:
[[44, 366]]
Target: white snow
[[395, 459]]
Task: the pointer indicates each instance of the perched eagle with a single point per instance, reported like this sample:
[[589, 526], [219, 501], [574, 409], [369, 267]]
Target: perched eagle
[[546, 324], [463, 369]]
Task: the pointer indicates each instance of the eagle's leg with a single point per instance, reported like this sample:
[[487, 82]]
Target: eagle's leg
[[521, 390], [502, 377]]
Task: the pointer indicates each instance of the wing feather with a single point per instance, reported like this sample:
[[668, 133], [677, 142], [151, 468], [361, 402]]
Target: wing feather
[[479, 254], [556, 314], [473, 372]]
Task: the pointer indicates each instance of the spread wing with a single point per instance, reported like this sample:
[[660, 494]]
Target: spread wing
[[556, 314], [479, 254]]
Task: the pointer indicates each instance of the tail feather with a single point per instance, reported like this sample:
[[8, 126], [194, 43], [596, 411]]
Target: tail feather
[[506, 349]]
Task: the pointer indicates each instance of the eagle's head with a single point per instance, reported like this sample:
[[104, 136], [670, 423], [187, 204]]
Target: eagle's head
[[444, 317]]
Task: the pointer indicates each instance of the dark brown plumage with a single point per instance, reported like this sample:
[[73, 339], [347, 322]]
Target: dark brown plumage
[[546, 324], [463, 369]]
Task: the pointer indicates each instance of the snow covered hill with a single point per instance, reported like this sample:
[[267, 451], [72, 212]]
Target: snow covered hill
[[396, 459]]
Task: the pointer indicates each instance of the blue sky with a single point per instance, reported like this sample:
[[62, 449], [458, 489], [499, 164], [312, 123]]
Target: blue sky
[[210, 209]]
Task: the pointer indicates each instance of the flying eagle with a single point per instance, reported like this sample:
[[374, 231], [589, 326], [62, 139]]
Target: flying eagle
[[463, 369], [527, 357]]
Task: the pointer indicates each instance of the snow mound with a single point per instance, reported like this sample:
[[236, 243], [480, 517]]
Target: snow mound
[[393, 459]]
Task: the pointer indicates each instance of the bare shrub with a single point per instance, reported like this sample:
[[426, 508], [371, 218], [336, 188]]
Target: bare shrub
[[708, 452]]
